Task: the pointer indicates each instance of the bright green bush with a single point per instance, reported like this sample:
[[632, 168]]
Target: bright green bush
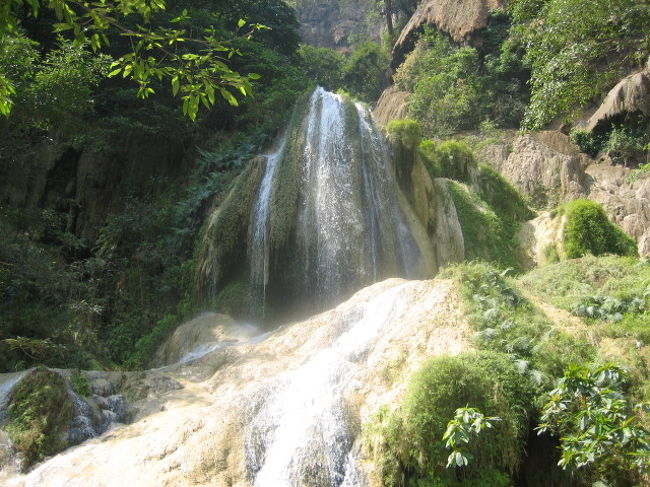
[[406, 132], [589, 231], [412, 451], [597, 426]]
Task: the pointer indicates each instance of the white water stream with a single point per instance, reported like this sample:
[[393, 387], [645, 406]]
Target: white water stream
[[301, 435]]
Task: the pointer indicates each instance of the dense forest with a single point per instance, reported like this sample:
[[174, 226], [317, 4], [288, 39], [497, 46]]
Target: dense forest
[[519, 136]]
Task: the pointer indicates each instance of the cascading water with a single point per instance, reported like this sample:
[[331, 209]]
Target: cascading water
[[259, 247], [348, 229], [301, 435]]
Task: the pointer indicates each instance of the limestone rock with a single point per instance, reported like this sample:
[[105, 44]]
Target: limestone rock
[[548, 168], [333, 23], [206, 330], [353, 359], [458, 18], [392, 105], [630, 95]]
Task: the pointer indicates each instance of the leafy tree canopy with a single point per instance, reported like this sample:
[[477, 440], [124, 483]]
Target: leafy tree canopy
[[193, 58]]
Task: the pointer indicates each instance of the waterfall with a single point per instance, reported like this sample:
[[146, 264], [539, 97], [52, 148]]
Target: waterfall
[[301, 434], [259, 247], [348, 229]]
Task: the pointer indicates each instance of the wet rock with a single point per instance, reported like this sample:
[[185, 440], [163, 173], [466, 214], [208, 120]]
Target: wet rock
[[102, 387], [392, 105]]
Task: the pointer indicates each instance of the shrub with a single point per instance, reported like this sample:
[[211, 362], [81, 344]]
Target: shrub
[[596, 424], [589, 231], [588, 142], [406, 132], [457, 160], [624, 144], [412, 449]]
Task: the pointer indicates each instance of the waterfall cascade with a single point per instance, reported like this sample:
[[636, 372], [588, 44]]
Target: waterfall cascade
[[348, 228]]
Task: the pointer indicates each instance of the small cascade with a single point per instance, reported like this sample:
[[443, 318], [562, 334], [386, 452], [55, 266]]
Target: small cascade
[[301, 433], [259, 246]]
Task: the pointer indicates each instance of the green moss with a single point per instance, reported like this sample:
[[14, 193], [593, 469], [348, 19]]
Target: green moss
[[286, 187], [406, 132], [234, 299], [40, 413], [589, 231], [457, 160], [222, 245], [487, 236], [80, 383], [410, 448], [501, 195]]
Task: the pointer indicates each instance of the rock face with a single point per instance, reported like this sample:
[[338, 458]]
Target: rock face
[[335, 23], [278, 408], [630, 95], [458, 18], [548, 167], [87, 185], [392, 105]]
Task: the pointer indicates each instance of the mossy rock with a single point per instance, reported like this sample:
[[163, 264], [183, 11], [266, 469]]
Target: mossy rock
[[40, 414]]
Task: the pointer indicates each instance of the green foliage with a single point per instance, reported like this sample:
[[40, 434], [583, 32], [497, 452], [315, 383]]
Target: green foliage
[[322, 66], [595, 422], [487, 235], [40, 413], [589, 231], [457, 160], [609, 308], [193, 59], [405, 132], [456, 88], [586, 284], [445, 86], [588, 142], [459, 430], [409, 443], [80, 383], [625, 144], [364, 72], [576, 53], [507, 322]]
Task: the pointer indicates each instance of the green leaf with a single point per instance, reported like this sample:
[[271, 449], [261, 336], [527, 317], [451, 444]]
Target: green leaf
[[241, 23]]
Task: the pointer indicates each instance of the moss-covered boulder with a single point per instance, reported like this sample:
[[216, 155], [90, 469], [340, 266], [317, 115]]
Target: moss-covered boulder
[[40, 414]]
